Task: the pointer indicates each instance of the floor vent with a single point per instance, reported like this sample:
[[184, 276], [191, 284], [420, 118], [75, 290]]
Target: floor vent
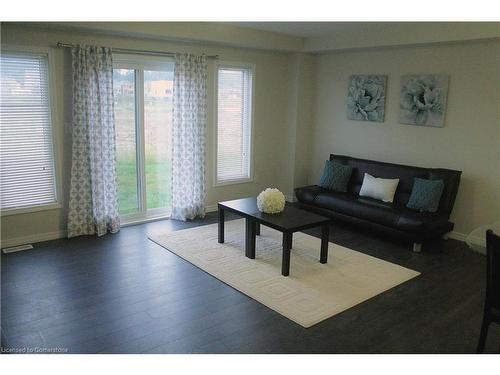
[[13, 249]]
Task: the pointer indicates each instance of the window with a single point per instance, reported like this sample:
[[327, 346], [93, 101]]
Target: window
[[234, 123], [143, 118], [28, 179]]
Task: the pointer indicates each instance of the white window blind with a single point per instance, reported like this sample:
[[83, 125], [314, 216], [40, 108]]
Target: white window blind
[[234, 111], [26, 150]]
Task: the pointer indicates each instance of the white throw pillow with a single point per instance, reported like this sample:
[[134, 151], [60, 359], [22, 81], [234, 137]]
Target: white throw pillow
[[379, 188]]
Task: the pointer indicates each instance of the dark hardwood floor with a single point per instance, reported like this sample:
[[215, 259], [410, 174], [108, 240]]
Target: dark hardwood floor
[[124, 294]]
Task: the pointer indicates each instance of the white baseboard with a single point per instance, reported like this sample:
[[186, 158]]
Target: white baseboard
[[457, 236], [40, 237], [477, 244], [211, 208], [34, 238], [479, 249]]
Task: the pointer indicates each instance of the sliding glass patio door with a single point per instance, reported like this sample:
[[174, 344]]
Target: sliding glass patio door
[[143, 87]]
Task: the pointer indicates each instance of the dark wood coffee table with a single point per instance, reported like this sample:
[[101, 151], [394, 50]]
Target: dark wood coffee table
[[291, 220]]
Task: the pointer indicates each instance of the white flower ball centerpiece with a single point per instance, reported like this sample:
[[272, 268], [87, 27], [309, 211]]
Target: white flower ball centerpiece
[[271, 201]]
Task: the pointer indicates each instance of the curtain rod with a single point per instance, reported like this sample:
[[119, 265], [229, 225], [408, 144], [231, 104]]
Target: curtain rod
[[134, 51]]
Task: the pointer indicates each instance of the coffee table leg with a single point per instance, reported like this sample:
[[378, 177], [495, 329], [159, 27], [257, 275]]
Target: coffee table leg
[[250, 238], [221, 225], [287, 246], [325, 234], [257, 229]]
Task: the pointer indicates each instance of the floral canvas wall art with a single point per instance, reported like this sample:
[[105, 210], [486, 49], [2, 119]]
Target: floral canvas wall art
[[366, 97], [423, 100]]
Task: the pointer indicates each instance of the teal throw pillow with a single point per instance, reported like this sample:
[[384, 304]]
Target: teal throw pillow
[[335, 176], [425, 195]]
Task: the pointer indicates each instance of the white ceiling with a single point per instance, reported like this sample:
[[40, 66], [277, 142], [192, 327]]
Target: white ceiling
[[330, 36], [304, 29]]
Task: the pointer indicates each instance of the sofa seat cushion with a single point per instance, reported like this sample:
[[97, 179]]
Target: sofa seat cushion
[[387, 214], [360, 207], [422, 222]]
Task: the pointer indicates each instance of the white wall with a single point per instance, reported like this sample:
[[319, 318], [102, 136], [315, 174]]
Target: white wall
[[470, 140], [300, 118], [273, 95]]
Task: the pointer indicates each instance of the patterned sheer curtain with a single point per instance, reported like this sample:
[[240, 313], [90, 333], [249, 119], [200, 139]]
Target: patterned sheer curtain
[[188, 137], [93, 200]]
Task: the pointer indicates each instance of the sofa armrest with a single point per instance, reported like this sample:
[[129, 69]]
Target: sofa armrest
[[307, 194]]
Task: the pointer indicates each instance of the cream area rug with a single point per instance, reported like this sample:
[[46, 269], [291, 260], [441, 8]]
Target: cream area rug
[[312, 292]]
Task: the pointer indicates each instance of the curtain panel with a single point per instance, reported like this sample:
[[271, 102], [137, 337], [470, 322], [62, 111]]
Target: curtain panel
[[93, 199], [188, 137]]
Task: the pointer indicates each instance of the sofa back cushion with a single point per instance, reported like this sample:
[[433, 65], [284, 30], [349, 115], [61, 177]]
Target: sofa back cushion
[[406, 175]]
